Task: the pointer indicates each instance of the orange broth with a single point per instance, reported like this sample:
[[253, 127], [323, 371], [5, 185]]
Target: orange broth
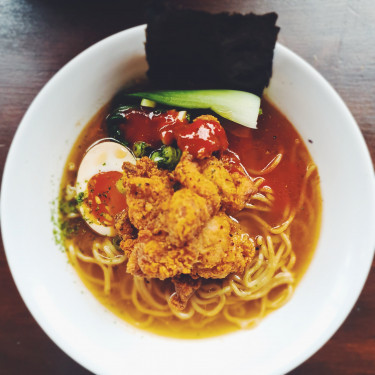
[[256, 148]]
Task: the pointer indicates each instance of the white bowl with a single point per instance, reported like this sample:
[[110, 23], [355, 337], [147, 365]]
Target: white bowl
[[104, 344]]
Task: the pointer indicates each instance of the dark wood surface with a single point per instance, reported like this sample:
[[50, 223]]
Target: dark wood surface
[[37, 37]]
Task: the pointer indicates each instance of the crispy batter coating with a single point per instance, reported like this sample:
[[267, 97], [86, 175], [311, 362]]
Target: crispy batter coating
[[187, 214], [223, 248], [145, 168], [123, 225], [147, 190], [188, 174], [185, 287], [235, 189], [147, 198], [126, 231], [155, 257], [184, 234]]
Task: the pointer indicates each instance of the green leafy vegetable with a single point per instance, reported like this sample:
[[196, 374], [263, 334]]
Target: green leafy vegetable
[[166, 157], [238, 106], [80, 197], [141, 149], [118, 113], [114, 120], [148, 103]]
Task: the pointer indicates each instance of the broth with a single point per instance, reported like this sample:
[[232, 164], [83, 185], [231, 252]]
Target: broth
[[256, 148]]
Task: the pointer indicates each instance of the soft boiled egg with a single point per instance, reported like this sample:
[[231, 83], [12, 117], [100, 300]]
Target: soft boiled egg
[[99, 199]]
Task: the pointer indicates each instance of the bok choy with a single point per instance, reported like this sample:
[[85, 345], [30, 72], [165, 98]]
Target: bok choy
[[238, 106]]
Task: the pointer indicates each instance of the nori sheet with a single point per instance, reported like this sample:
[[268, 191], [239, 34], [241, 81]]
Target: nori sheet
[[189, 49]]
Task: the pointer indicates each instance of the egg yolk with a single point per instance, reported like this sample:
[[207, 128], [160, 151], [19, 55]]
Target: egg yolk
[[103, 199]]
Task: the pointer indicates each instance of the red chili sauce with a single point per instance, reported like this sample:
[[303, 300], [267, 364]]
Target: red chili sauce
[[245, 150], [200, 138]]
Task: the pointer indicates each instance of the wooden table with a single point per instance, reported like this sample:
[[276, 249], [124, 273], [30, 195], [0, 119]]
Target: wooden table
[[38, 37]]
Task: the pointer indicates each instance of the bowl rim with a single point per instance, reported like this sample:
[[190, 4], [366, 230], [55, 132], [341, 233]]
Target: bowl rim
[[365, 159]]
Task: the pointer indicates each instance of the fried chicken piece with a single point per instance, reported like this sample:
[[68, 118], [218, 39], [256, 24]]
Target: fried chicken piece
[[148, 191], [188, 174], [145, 167], [223, 248], [187, 214], [126, 231], [132, 266], [185, 287], [153, 204], [235, 189], [123, 225], [183, 232], [146, 199], [155, 257], [220, 249]]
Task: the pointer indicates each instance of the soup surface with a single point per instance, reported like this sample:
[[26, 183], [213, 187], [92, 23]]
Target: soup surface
[[283, 219]]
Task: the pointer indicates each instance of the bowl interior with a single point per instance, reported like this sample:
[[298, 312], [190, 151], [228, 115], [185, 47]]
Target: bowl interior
[[96, 338]]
